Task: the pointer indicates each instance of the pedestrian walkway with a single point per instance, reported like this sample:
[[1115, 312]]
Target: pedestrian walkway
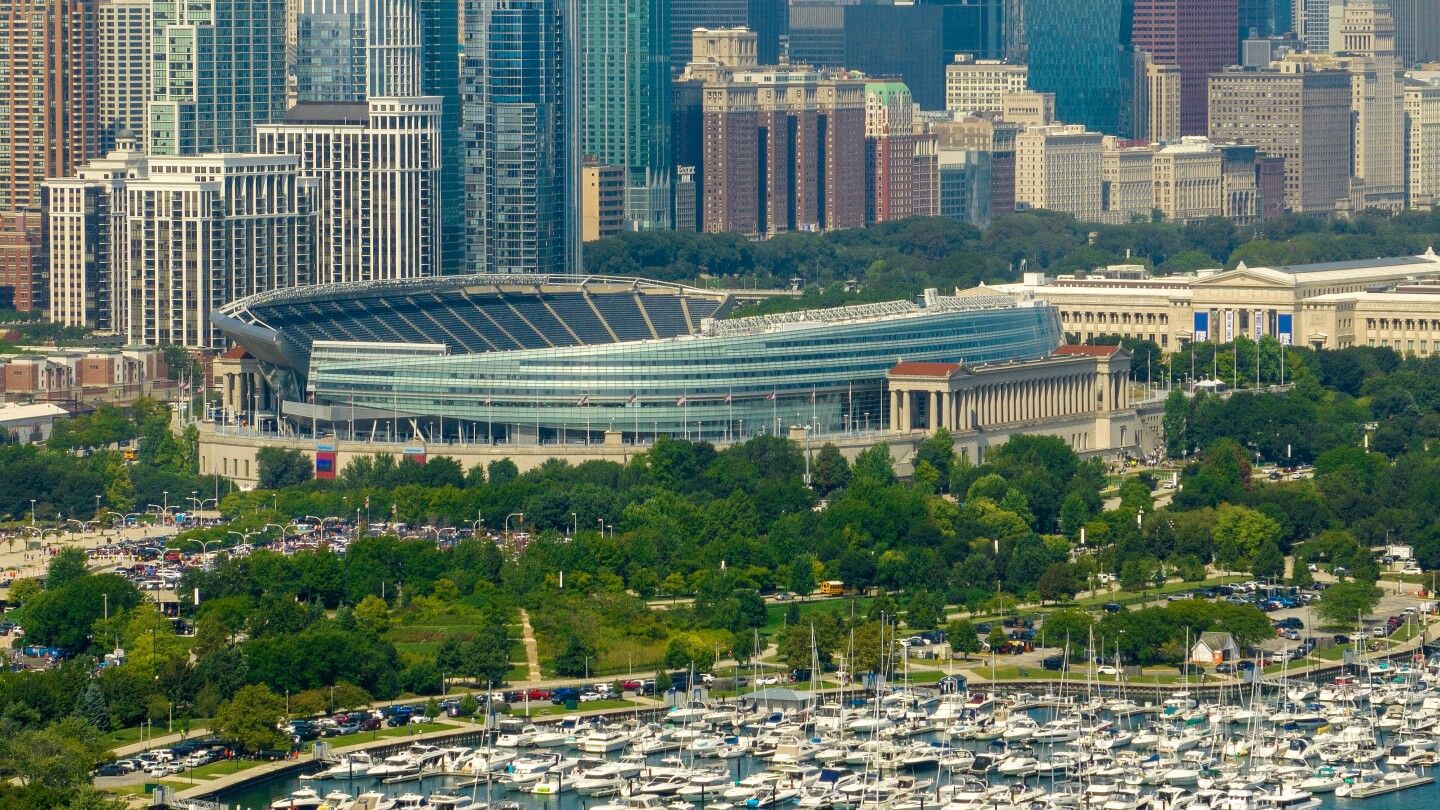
[[532, 650]]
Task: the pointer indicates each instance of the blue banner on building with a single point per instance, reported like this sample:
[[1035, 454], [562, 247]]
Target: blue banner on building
[[1283, 326], [1202, 326]]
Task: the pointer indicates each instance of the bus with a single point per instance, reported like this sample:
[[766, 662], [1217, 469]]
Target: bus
[[832, 587]]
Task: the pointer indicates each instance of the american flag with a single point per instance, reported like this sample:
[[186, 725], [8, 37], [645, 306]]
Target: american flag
[[632, 400], [680, 400], [727, 398], [770, 396], [487, 402], [583, 401]]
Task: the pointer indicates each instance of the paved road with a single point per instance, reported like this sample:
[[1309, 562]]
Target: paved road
[[30, 562]]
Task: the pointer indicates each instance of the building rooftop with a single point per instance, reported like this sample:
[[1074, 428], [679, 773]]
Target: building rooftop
[[1069, 350], [1356, 264], [316, 112], [917, 369]]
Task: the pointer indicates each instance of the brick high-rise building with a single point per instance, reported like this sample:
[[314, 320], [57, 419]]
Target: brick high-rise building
[[783, 147], [48, 124], [1306, 121], [1198, 36], [889, 151]]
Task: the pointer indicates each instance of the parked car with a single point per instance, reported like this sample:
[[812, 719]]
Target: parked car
[[1112, 607]]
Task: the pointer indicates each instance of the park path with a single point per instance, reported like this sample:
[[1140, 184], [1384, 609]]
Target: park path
[[532, 650]]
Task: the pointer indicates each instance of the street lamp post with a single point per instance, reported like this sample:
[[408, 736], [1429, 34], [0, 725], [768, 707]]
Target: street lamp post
[[520, 515]]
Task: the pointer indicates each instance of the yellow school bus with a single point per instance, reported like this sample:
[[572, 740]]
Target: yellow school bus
[[832, 587]]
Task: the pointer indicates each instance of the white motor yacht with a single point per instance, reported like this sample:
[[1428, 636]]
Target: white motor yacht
[[348, 766], [302, 799]]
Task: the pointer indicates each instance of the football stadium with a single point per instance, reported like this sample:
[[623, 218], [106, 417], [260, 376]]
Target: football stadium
[[527, 358]]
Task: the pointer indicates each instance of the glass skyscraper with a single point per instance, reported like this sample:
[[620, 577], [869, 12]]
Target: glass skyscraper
[[1081, 52], [330, 51], [625, 84], [219, 69], [519, 136]]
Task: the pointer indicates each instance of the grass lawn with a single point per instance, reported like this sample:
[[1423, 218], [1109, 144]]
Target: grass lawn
[[548, 709], [219, 768], [139, 789], [384, 733], [116, 738], [775, 612]]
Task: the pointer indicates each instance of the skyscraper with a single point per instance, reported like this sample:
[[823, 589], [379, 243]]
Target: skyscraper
[[124, 69], [350, 51], [48, 111], [219, 70], [1198, 36], [378, 169], [901, 41], [145, 219], [1305, 120], [1266, 18], [330, 51], [625, 84], [49, 124], [889, 151], [1081, 52], [783, 147], [687, 15], [521, 167]]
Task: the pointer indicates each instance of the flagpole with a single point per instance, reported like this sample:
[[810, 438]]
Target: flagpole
[[730, 413]]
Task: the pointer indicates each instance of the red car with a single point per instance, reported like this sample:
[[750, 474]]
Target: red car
[[538, 694], [630, 686]]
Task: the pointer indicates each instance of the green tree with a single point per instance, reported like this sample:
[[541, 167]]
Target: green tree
[[1239, 533], [1346, 602], [662, 682], [924, 610], [90, 707], [66, 567], [938, 450], [250, 719], [1301, 577], [1057, 582], [997, 639], [58, 756], [830, 471], [574, 660], [487, 657], [468, 706], [876, 465], [372, 613], [432, 709], [23, 590], [502, 471], [962, 637], [278, 467], [1175, 420], [802, 575], [1269, 561]]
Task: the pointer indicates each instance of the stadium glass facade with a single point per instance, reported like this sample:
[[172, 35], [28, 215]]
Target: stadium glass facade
[[728, 379]]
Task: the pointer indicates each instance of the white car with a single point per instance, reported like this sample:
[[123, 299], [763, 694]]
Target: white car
[[1412, 569], [1106, 669], [588, 697]]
